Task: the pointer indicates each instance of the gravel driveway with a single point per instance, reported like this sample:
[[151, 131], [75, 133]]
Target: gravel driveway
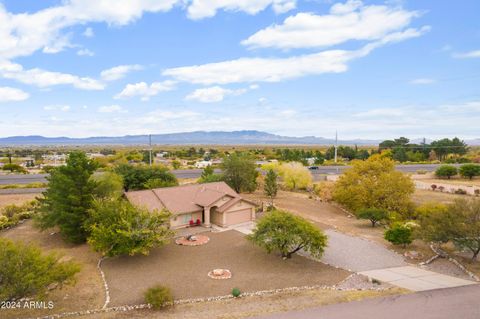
[[356, 254]]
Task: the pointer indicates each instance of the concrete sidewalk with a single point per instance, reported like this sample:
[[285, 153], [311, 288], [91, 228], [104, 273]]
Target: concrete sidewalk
[[416, 279]]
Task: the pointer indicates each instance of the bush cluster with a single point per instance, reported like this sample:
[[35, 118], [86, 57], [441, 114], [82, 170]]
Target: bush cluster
[[159, 297], [11, 215]]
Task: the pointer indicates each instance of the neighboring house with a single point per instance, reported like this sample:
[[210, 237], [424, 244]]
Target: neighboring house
[[209, 203], [202, 164]]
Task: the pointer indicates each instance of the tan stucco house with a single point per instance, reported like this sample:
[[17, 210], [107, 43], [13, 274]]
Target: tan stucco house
[[208, 203]]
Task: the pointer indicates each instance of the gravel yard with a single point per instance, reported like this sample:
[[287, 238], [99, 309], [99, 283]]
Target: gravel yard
[[184, 270]]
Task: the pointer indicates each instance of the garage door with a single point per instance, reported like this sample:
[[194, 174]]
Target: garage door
[[239, 216]]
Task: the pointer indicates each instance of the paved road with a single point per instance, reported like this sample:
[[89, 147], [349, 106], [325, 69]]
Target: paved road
[[461, 303], [357, 254], [195, 173]]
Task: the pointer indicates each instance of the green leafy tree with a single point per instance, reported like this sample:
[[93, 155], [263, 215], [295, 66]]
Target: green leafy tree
[[470, 170], [119, 228], [434, 220], [209, 176], [25, 271], [14, 168], [446, 171], [399, 234], [239, 171], [176, 164], [286, 233], [374, 215], [465, 230], [145, 177], [271, 186], [108, 185], [68, 198], [374, 183]]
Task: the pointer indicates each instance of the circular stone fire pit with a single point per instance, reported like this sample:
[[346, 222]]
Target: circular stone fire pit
[[220, 274], [192, 240]]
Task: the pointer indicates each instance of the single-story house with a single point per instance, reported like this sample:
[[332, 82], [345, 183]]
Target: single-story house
[[207, 203]]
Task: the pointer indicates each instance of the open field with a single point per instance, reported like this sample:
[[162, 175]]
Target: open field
[[88, 293], [453, 181], [423, 196], [246, 307], [184, 270], [16, 199]]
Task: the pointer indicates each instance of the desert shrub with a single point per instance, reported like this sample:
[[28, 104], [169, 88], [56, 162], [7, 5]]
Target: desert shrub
[[159, 297], [36, 273], [460, 191], [477, 192], [4, 222], [10, 215], [236, 292], [324, 190], [421, 172], [446, 171], [441, 188], [434, 187], [399, 234], [14, 168]]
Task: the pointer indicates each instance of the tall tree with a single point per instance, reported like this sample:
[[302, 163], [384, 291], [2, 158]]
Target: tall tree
[[119, 228], [271, 186], [240, 172], [145, 177], [286, 233], [68, 198], [374, 183]]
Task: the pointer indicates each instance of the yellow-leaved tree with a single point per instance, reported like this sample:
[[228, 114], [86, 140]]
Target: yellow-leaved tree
[[375, 183]]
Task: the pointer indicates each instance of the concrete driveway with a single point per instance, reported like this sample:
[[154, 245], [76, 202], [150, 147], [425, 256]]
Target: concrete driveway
[[416, 279]]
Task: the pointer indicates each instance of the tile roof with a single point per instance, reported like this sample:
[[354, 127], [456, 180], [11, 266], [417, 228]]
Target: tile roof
[[186, 198]]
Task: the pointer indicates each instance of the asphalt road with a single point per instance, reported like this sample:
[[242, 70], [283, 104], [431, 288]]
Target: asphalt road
[[195, 173], [461, 302]]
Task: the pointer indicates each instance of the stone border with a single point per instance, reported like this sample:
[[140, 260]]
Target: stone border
[[201, 240], [199, 300], [107, 290], [227, 274], [439, 253]]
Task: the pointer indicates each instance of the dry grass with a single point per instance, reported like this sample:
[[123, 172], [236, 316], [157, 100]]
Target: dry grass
[[88, 293], [423, 196], [246, 307], [16, 199], [184, 270]]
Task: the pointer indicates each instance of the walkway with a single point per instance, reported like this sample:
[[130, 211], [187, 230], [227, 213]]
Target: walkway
[[416, 279], [436, 304]]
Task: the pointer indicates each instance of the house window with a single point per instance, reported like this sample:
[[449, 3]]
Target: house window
[[187, 218]]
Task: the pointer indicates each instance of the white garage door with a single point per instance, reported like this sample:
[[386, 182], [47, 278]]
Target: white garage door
[[238, 217]]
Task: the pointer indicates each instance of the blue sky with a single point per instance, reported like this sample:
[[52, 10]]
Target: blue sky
[[369, 69]]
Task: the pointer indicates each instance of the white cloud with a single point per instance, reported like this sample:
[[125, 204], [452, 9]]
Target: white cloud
[[422, 81], [43, 78], [345, 22], [24, 33], [63, 108], [119, 72], [199, 9], [212, 94], [9, 94], [111, 109], [145, 91], [85, 52], [278, 69], [467, 55], [88, 33]]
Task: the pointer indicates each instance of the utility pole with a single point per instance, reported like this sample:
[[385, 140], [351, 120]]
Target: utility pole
[[336, 146], [150, 150]]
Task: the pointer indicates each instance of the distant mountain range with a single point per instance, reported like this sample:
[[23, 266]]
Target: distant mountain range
[[186, 138]]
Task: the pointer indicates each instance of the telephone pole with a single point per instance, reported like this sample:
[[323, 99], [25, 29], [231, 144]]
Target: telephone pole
[[150, 150], [336, 145]]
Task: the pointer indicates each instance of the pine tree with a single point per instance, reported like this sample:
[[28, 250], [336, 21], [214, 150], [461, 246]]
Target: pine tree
[[68, 198]]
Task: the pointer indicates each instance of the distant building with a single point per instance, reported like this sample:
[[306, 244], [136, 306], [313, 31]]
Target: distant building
[[203, 164]]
